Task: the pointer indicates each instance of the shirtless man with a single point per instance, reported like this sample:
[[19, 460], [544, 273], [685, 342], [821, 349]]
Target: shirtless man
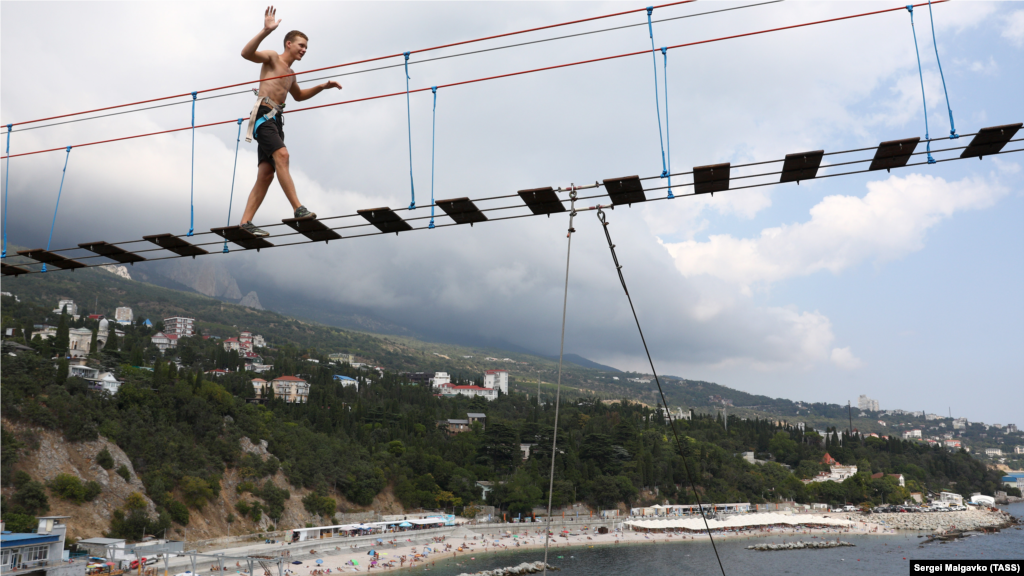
[[266, 123]]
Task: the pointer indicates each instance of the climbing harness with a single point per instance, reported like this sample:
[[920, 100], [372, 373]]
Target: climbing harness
[[55, 208], [668, 133], [618, 269], [927, 138], [558, 386], [192, 189], [408, 119], [255, 122], [7, 179], [657, 104], [433, 133], [234, 167], [935, 43]]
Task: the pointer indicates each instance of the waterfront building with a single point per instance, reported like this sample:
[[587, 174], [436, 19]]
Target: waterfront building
[[40, 553]]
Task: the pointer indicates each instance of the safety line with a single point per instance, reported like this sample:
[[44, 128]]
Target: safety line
[[463, 42], [60, 190], [657, 106], [679, 445], [935, 44], [668, 133], [433, 140], [422, 61], [408, 118], [7, 180], [731, 188], [510, 74], [234, 168], [558, 386], [192, 188], [516, 195], [920, 73]]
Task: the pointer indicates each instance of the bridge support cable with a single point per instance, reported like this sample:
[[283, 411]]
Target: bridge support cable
[[60, 190], [508, 75], [433, 140], [234, 168], [675, 433], [192, 188], [408, 119], [558, 385], [920, 73], [657, 105], [668, 133], [935, 44], [7, 180]]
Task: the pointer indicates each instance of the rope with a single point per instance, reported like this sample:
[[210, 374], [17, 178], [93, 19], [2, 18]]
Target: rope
[[57, 207], [672, 423], [192, 189], [433, 133], [668, 133], [508, 75], [928, 144], [935, 43], [408, 118], [234, 167], [7, 179], [657, 105], [558, 386]]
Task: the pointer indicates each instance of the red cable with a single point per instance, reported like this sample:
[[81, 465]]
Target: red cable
[[353, 63], [501, 75]]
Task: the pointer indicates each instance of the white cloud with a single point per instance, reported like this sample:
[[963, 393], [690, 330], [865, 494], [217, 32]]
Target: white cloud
[[1013, 29], [889, 222], [844, 358]]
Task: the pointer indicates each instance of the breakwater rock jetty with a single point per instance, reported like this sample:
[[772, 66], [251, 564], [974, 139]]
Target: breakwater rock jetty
[[940, 521], [800, 545], [524, 568]]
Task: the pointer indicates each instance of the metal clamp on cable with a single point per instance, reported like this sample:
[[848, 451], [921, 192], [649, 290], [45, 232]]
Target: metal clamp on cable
[[572, 208]]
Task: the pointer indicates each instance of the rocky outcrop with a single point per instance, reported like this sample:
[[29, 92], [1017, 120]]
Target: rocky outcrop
[[800, 545], [524, 568], [205, 277], [251, 300], [121, 271], [943, 521]]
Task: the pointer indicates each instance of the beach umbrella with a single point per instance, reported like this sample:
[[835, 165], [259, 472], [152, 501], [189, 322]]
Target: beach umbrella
[[319, 561], [405, 525], [370, 553], [296, 562]]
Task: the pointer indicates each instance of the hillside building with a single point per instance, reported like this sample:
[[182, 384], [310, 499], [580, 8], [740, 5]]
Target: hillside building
[[960, 424], [865, 403], [181, 326], [449, 389], [291, 389], [440, 379], [72, 308], [123, 315], [346, 381], [899, 478], [497, 379], [164, 341], [40, 552]]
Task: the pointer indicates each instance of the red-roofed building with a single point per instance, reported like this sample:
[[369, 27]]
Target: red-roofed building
[[232, 344], [898, 477], [216, 372], [829, 460], [291, 389], [164, 341]]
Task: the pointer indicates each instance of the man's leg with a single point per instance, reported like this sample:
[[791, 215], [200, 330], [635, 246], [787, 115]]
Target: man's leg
[[264, 177], [284, 177]]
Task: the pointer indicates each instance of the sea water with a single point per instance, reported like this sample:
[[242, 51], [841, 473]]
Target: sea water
[[873, 555]]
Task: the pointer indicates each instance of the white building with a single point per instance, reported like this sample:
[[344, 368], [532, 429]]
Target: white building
[[1018, 450], [291, 389], [39, 552], [951, 498], [258, 341], [960, 424], [497, 379], [72, 307], [123, 315], [182, 326], [164, 341], [910, 434], [106, 382], [346, 381], [993, 452], [449, 389], [836, 474], [865, 403], [439, 379], [232, 344]]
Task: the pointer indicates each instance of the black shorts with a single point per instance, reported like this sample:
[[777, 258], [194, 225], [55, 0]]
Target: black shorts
[[269, 136]]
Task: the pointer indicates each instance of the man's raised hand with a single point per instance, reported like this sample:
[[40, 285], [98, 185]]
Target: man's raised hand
[[270, 23], [332, 84]]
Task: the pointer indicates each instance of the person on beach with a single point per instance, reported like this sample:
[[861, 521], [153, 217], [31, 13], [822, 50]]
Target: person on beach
[[266, 121]]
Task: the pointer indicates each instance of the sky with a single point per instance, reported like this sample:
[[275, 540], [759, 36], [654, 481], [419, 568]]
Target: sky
[[903, 286]]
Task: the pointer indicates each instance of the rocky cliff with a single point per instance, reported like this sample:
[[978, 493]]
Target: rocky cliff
[[204, 276], [252, 301]]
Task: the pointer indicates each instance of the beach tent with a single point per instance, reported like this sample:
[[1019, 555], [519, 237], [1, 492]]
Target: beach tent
[[405, 525]]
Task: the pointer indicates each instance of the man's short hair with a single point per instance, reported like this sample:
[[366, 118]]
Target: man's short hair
[[289, 37]]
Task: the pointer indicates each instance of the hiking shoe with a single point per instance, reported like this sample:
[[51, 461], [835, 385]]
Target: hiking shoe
[[252, 229], [303, 212]]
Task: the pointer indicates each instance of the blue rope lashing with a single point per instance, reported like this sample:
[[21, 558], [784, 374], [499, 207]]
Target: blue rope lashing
[[233, 168], [935, 43], [59, 190], [433, 133], [408, 119], [7, 179], [657, 105], [927, 138], [668, 133], [192, 190]]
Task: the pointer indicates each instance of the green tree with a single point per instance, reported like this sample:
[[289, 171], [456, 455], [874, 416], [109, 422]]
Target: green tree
[[104, 459], [94, 349], [62, 340], [195, 491]]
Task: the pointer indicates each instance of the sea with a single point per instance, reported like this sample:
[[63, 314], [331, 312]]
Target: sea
[[872, 555]]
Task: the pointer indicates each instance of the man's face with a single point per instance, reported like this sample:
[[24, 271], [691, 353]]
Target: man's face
[[297, 48]]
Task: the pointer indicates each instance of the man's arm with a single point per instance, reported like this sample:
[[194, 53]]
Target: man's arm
[[270, 23], [300, 94]]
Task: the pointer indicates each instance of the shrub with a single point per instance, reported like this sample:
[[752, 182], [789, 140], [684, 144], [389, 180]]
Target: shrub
[[230, 519], [256, 512], [123, 472], [178, 512], [104, 459], [243, 507], [195, 491], [247, 486], [68, 487], [92, 490], [21, 478]]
